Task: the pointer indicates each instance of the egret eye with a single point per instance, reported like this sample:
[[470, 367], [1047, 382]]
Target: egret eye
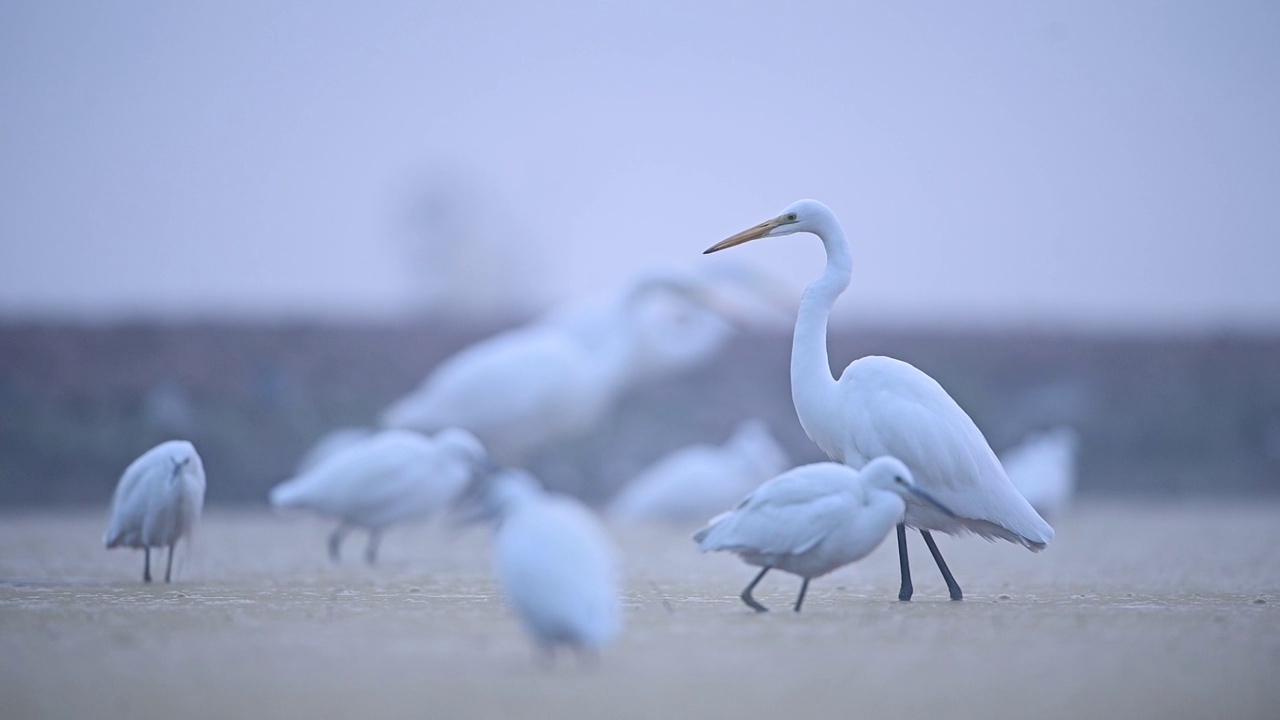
[[791, 217], [900, 480]]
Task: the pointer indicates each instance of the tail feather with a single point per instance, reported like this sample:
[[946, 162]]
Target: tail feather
[[701, 536]]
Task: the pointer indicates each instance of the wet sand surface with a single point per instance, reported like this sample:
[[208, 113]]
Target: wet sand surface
[[1136, 610]]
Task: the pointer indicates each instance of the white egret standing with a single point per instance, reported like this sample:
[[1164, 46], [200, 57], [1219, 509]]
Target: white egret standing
[[691, 483], [391, 477], [1043, 468], [555, 563], [813, 519], [883, 406], [520, 390], [157, 502]]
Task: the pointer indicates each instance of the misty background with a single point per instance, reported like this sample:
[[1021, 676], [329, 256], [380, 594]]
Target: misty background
[[249, 223]]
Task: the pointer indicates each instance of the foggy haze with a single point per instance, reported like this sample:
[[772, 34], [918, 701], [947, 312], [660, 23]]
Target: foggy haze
[[1089, 164]]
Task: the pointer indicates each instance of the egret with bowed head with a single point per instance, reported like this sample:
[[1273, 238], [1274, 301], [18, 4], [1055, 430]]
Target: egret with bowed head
[[157, 502], [814, 519], [390, 477]]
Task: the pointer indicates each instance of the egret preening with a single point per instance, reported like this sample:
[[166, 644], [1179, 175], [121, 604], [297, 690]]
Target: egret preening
[[813, 519], [882, 406], [555, 564], [157, 502], [1043, 468], [694, 482], [555, 379], [391, 477]]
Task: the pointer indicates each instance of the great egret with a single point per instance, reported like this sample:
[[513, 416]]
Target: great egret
[[556, 565], [555, 379], [883, 406], [391, 477], [1043, 468], [694, 482], [815, 518], [157, 502]]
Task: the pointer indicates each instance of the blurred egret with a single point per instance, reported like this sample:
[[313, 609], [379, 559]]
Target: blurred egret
[[555, 564], [391, 477], [694, 482], [157, 502], [813, 519], [331, 443], [883, 406], [1043, 468], [551, 380]]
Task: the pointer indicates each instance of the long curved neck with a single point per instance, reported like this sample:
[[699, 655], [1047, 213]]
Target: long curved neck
[[813, 387]]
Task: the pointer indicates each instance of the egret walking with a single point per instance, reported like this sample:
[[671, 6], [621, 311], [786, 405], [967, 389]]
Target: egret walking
[[391, 477], [157, 502], [556, 565], [814, 519], [882, 406]]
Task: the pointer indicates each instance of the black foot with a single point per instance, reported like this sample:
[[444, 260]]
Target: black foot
[[952, 586], [904, 592], [746, 594], [335, 543], [804, 586], [751, 603]]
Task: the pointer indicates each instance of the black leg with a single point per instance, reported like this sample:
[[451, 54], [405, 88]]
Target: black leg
[[904, 593], [746, 594], [168, 566], [952, 586], [335, 542], [800, 600], [371, 550], [146, 564]]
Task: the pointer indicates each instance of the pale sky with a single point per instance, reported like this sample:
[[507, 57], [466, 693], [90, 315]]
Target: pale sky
[[1095, 164]]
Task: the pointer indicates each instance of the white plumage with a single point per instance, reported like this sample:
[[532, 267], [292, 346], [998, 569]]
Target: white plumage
[[554, 379], [157, 502], [555, 564], [814, 519], [331, 443], [882, 406], [694, 482], [391, 477], [1043, 468]]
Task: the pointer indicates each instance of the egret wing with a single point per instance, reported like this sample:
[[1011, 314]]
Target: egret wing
[[787, 515]]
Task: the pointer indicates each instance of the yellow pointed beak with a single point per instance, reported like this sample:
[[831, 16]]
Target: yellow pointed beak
[[753, 233]]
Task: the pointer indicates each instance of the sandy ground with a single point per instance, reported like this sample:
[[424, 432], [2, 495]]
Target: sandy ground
[[1136, 610]]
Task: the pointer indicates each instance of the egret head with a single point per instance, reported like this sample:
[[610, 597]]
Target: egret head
[[890, 473], [182, 459], [800, 216]]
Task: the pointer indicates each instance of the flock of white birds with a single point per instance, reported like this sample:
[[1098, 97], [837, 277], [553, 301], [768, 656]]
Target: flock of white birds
[[903, 453]]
